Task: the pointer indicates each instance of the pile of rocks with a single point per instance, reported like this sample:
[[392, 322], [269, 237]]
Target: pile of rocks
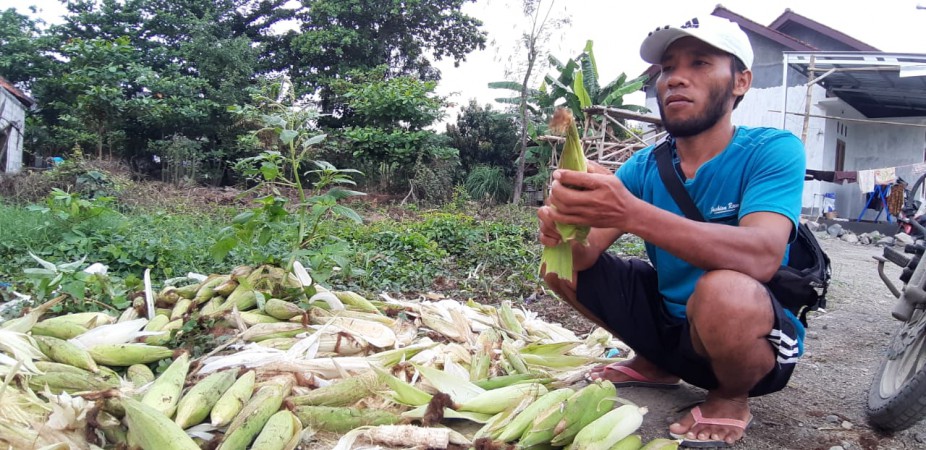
[[872, 238]]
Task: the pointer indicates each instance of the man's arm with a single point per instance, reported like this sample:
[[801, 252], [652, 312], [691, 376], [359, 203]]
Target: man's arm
[[755, 247]]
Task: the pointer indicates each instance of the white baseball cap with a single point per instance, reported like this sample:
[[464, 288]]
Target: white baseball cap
[[715, 31]]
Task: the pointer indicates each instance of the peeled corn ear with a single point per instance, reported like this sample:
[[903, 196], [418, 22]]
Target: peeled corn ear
[[558, 259]]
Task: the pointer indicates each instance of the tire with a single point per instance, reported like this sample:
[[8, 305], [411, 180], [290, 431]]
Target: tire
[[897, 396]]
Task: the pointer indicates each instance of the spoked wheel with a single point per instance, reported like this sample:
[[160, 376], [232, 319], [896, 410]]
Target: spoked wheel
[[897, 397]]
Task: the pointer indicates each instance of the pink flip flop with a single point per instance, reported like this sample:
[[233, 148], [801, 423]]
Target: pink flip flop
[[701, 420], [636, 378]]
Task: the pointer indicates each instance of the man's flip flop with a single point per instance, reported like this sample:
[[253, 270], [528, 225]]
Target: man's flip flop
[[636, 378], [701, 420]]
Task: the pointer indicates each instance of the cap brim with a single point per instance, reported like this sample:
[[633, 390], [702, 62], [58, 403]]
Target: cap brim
[[656, 43]]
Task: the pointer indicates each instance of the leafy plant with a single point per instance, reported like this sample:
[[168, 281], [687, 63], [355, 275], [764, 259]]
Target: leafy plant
[[286, 125], [87, 289], [488, 182]]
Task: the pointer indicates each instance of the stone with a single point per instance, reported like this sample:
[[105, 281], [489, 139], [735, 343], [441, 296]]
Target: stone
[[885, 241], [834, 230], [846, 425], [850, 238], [875, 235], [864, 239], [824, 326], [812, 335], [920, 437], [837, 447], [833, 418], [901, 239]]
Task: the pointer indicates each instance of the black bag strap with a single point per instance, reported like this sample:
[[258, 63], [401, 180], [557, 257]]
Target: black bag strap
[[663, 153]]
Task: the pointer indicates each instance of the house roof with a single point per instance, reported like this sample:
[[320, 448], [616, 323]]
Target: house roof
[[785, 40], [790, 18], [788, 42], [27, 101], [876, 84]]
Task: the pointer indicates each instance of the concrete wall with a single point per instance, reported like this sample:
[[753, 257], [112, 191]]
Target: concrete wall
[[14, 113], [868, 146]]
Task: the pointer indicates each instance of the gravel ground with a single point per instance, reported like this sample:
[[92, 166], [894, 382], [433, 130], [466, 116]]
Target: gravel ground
[[823, 406]]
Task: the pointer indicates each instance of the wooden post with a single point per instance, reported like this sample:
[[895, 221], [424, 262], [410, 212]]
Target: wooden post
[[808, 99]]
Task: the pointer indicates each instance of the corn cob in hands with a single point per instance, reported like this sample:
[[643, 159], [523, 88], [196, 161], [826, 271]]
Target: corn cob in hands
[[558, 259]]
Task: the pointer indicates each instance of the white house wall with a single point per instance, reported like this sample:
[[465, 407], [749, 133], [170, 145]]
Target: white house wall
[[13, 113], [869, 146]]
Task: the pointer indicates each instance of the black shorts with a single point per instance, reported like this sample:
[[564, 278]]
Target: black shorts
[[624, 294]]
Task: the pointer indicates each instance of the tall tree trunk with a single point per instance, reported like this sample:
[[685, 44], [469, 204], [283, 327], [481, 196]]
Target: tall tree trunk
[[522, 111]]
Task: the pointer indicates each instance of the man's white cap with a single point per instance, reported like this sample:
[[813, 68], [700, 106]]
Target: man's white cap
[[715, 31]]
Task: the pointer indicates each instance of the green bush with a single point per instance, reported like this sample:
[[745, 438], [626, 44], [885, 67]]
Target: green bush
[[489, 183]]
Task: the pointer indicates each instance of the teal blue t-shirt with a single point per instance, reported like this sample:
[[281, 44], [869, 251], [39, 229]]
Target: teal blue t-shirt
[[761, 170]]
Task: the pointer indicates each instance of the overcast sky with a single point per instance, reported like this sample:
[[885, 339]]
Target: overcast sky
[[617, 28]]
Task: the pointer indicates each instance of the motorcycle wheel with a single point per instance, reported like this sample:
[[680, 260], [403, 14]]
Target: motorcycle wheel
[[897, 396]]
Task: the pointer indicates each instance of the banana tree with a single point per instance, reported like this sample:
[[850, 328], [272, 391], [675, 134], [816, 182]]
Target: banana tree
[[578, 85]]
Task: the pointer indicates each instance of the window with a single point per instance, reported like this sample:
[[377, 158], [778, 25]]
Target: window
[[840, 155]]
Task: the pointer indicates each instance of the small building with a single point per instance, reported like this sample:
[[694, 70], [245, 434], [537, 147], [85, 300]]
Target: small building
[[857, 108], [13, 106]]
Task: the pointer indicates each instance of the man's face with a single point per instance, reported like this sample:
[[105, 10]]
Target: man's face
[[695, 88]]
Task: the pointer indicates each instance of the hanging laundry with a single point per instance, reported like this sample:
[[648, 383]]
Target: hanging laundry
[[866, 180], [887, 175], [821, 175], [895, 198], [844, 176]]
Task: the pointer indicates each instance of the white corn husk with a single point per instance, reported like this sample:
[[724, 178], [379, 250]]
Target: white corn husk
[[251, 355], [205, 431], [22, 348], [406, 332], [97, 269], [375, 333], [404, 436], [114, 333], [334, 303], [429, 357], [478, 321], [455, 369], [460, 353], [458, 389], [68, 413], [149, 294], [546, 330], [9, 365], [301, 274]]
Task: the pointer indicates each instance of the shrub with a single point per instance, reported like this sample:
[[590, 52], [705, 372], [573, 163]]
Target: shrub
[[489, 183]]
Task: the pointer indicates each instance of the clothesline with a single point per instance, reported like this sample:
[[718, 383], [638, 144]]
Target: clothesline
[[866, 179]]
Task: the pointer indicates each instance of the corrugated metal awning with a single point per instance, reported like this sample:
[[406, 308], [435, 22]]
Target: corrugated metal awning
[[877, 84]]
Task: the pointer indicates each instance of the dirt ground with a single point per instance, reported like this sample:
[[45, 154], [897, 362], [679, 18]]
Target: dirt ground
[[823, 406]]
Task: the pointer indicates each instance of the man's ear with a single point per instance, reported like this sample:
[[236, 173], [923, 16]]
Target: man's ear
[[742, 82]]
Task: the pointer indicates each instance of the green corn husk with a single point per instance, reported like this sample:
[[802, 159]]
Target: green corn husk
[[558, 259]]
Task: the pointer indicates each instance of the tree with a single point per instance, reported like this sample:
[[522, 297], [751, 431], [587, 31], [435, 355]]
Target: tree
[[533, 41], [193, 57], [484, 137], [23, 58], [388, 117], [578, 85], [338, 36]]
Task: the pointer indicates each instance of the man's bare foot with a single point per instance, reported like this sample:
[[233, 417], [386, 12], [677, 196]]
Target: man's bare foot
[[718, 420], [634, 372]]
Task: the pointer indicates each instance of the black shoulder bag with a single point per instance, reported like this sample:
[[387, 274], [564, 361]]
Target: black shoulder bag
[[799, 286]]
